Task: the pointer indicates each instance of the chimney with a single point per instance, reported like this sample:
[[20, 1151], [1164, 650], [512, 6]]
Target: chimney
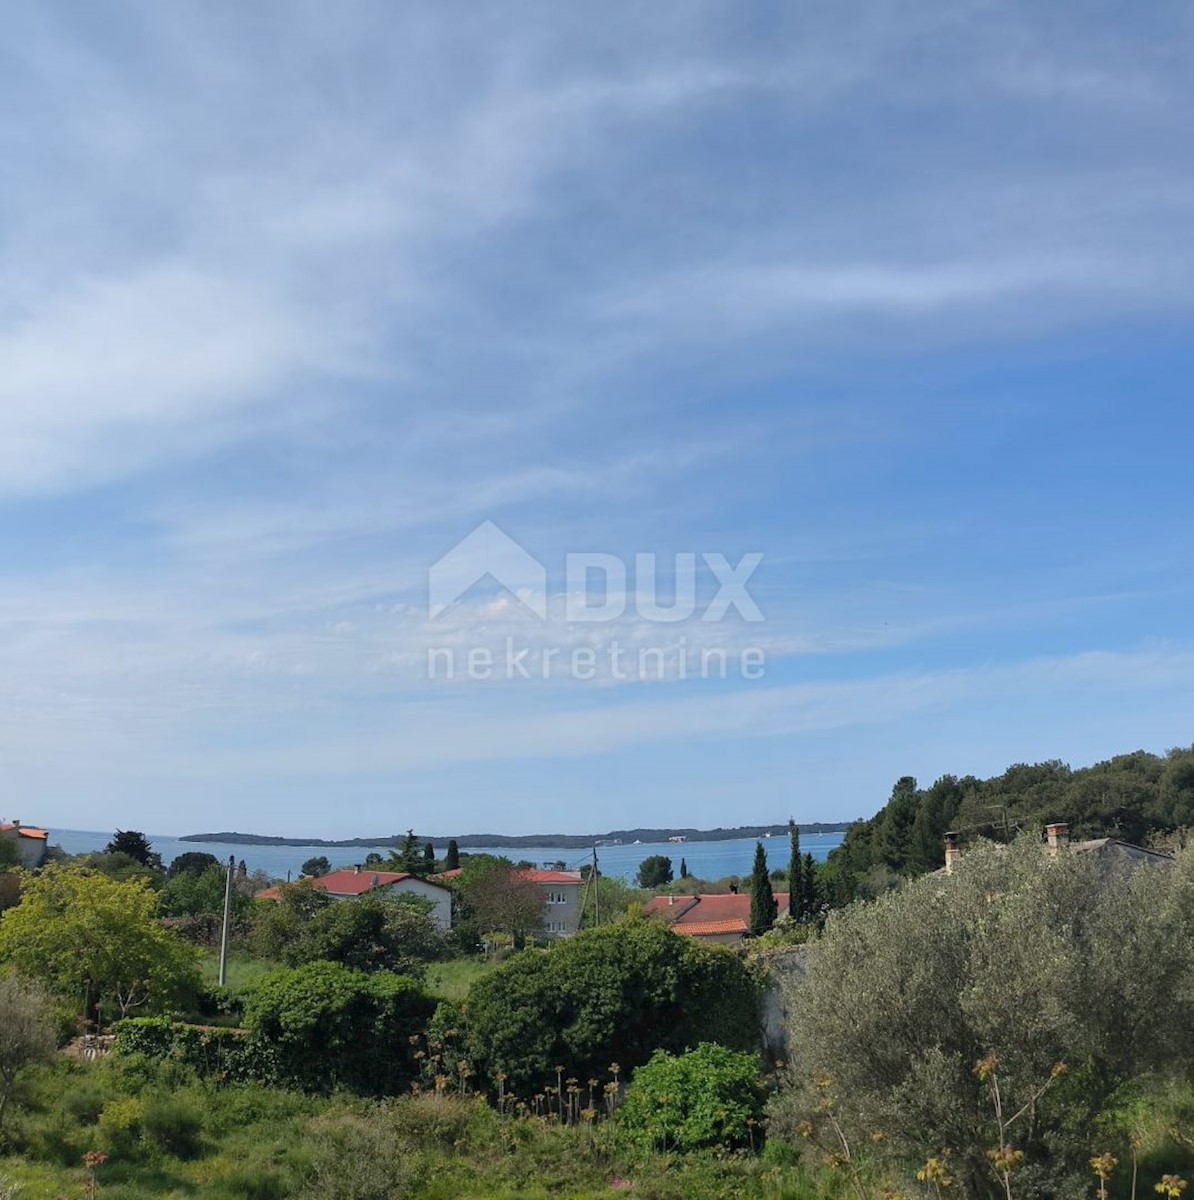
[[357, 869], [670, 901], [952, 853], [733, 889], [1058, 836]]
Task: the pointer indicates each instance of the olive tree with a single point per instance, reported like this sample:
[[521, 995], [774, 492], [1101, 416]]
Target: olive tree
[[26, 1032], [1002, 1006]]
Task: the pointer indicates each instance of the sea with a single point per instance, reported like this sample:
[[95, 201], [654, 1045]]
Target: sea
[[706, 860]]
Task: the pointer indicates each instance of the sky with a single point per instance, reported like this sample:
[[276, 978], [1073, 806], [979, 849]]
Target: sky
[[881, 311]]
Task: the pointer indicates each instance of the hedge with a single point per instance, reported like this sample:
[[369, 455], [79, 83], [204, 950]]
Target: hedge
[[226, 1055]]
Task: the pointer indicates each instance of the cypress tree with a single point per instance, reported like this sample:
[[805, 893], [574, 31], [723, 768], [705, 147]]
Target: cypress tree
[[795, 878], [763, 908], [452, 856], [683, 869], [810, 898]]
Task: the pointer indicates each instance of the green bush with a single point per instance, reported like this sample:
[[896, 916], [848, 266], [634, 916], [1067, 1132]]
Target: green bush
[[915, 1008], [172, 1124], [705, 1098], [225, 1055], [327, 1026], [83, 1104], [614, 994]]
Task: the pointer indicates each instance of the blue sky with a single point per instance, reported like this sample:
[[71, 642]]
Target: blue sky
[[295, 296]]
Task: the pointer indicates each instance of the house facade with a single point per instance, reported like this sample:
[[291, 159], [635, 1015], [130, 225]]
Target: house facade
[[31, 843], [561, 893], [724, 919], [353, 882]]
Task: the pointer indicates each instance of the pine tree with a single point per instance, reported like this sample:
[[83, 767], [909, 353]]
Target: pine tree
[[683, 869], [795, 879], [763, 908], [452, 856]]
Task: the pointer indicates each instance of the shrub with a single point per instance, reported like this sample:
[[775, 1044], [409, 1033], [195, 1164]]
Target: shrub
[[613, 994], [120, 1124], [327, 1026], [225, 1055], [26, 1032], [915, 1007], [83, 1104], [172, 1124], [707, 1097], [353, 1158]]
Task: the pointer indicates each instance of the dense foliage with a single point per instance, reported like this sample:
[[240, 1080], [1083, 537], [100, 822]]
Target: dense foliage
[[493, 896], [27, 1033], [328, 1026], [916, 1008], [763, 908], [614, 994], [373, 933], [707, 1097], [224, 1055], [654, 871], [1129, 796], [96, 941]]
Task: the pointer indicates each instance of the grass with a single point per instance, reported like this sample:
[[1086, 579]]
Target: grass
[[268, 1144], [452, 980], [243, 971]]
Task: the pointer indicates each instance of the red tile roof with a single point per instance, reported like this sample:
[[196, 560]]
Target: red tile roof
[[692, 914], [351, 882], [707, 928], [532, 873], [25, 831]]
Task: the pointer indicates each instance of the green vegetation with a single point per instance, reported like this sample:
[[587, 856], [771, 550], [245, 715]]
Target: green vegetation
[[327, 1026], [763, 908], [1020, 1028], [709, 1097], [614, 994], [97, 943], [1132, 796], [452, 980], [997, 1018], [492, 897], [370, 934], [654, 871], [316, 865]]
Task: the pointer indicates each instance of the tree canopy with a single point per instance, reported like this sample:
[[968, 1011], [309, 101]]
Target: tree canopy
[[493, 896], [97, 941], [612, 994], [654, 871], [136, 845], [1131, 796]]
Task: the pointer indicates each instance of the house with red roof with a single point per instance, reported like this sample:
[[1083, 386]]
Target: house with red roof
[[350, 883], [561, 893], [31, 843], [714, 918]]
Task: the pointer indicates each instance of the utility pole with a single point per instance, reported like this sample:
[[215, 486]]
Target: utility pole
[[227, 920], [596, 892]]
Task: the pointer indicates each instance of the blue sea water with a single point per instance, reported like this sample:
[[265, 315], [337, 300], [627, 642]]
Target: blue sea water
[[706, 860]]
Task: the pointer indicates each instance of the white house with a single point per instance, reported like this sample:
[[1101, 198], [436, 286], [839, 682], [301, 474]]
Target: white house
[[353, 882]]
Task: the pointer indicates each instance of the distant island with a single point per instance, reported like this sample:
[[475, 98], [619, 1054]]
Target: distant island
[[561, 841]]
